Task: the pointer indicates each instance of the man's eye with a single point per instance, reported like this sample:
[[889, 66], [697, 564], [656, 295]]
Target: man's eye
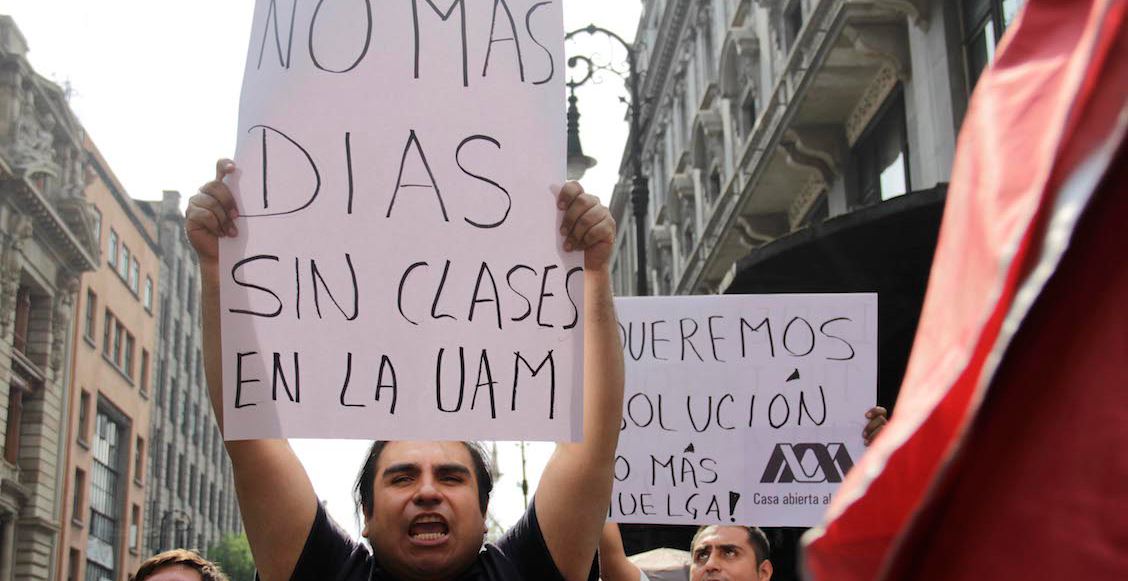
[[730, 553], [401, 479], [454, 479]]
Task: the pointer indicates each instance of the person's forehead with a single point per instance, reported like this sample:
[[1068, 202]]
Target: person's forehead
[[175, 573], [425, 453], [722, 535]]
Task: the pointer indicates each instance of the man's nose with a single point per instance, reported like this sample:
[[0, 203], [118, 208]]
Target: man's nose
[[427, 492]]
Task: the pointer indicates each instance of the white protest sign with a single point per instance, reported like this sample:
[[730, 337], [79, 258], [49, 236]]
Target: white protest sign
[[742, 409], [398, 272]]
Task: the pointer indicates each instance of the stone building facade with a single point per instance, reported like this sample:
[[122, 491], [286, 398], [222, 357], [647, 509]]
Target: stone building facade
[[108, 427], [191, 491], [48, 239], [764, 117]]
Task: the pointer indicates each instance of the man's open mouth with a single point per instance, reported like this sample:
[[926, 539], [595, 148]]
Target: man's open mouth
[[428, 528]]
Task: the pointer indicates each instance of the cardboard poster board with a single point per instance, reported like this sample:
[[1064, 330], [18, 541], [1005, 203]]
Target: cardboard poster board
[[399, 272], [742, 409]]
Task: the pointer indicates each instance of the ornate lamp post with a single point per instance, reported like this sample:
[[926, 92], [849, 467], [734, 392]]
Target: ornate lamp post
[[578, 162]]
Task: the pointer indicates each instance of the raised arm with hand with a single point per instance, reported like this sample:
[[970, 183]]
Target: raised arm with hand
[[276, 499], [575, 487], [613, 562]]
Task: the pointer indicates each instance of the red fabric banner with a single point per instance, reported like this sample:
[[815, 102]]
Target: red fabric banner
[[1005, 457]]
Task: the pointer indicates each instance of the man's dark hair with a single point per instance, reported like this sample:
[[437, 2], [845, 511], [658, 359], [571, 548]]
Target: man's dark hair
[[756, 538], [208, 571], [483, 474]]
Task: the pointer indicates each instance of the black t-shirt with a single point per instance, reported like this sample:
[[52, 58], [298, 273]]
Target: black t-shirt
[[521, 554]]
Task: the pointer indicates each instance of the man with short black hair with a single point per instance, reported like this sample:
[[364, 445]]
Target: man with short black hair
[[730, 553], [424, 503]]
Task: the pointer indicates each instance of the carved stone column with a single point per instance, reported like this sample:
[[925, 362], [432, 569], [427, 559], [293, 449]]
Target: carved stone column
[[60, 319], [19, 230]]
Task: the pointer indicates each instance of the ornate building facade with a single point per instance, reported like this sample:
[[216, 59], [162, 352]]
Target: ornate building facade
[[191, 491], [765, 117], [48, 239]]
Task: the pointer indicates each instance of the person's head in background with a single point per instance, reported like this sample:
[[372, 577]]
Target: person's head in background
[[730, 553], [178, 565]]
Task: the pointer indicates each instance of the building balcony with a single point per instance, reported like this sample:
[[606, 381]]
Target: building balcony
[[842, 64]]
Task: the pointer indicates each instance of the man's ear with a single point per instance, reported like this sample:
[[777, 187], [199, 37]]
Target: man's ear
[[765, 570]]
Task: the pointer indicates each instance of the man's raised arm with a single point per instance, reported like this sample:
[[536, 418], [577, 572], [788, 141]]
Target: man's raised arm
[[575, 488], [276, 498]]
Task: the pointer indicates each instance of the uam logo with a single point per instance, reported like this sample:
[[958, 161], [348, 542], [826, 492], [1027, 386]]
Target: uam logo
[[810, 463]]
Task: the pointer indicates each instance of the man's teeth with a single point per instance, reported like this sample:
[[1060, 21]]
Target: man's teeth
[[428, 536]]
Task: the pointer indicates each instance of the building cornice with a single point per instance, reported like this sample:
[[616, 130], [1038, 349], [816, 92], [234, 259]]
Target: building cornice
[[47, 222], [123, 200]]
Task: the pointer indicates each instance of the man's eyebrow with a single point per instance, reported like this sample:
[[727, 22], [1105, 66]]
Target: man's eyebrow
[[402, 468], [729, 547], [453, 469]]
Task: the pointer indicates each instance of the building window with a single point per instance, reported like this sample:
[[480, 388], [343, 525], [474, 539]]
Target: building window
[[984, 22], [192, 488], [22, 319], [179, 275], [147, 297], [748, 114], [123, 262], [688, 225], [91, 314], [134, 527], [713, 185], [176, 340], [174, 394], [181, 476], [74, 564], [83, 415], [139, 461], [170, 468], [96, 218], [792, 24], [119, 331], [134, 275], [144, 377], [186, 421], [105, 498], [164, 318], [16, 392], [128, 362], [77, 509], [107, 328], [191, 298], [881, 154], [158, 394], [112, 249]]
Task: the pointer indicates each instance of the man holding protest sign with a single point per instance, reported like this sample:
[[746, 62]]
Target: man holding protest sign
[[424, 503]]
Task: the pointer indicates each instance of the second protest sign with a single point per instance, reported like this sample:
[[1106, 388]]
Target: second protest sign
[[741, 409]]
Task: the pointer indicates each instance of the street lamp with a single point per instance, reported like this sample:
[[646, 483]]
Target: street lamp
[[640, 192]]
